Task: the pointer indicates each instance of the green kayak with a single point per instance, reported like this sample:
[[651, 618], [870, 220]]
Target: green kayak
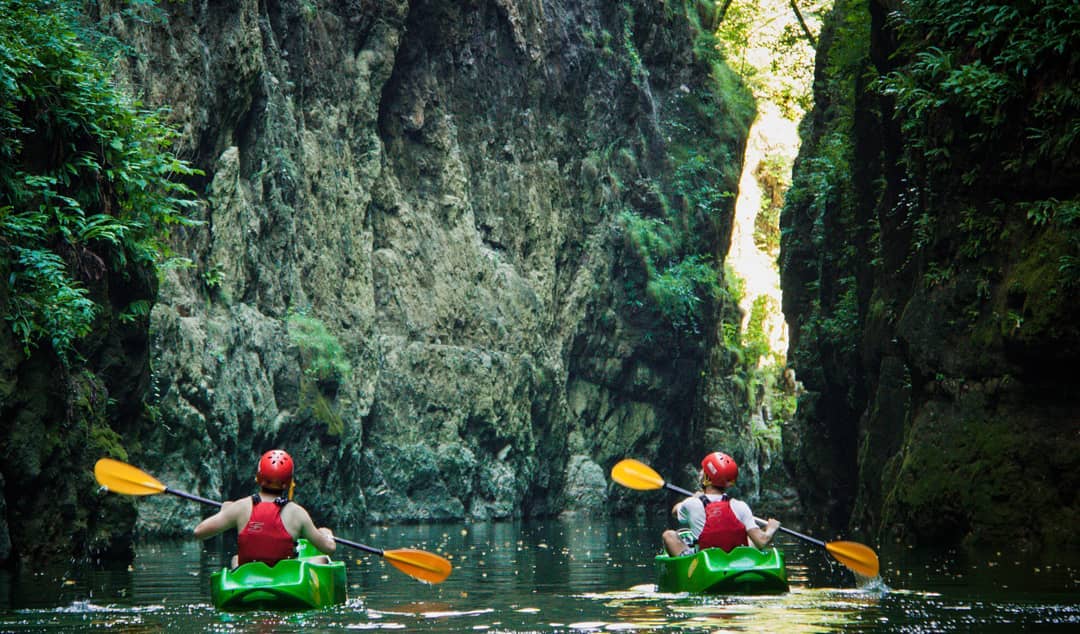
[[745, 570], [291, 584]]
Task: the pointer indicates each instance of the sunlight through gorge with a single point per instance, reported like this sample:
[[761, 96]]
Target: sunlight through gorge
[[766, 43]]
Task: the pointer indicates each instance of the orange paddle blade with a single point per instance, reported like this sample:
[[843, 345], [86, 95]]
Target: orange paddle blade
[[120, 477], [636, 475], [420, 564], [858, 557]]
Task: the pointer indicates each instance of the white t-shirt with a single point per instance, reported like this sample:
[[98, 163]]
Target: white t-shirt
[[691, 513]]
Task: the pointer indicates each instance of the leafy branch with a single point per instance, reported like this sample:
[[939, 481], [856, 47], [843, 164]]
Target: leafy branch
[[87, 177]]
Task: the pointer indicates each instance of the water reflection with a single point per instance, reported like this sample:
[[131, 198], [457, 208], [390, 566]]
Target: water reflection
[[554, 576]]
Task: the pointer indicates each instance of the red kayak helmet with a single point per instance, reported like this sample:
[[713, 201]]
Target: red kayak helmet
[[720, 469], [275, 470]]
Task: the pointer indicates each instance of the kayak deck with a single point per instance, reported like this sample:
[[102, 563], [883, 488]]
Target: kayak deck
[[291, 584], [744, 570]]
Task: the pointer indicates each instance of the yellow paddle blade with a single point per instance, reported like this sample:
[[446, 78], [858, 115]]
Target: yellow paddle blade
[[858, 557], [120, 477], [636, 475], [420, 564]]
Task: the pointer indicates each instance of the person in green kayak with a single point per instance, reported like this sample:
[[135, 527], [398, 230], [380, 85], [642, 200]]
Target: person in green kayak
[[269, 523], [716, 520]]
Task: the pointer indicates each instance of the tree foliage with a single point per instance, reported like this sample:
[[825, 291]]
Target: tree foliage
[[87, 180], [972, 66], [770, 43]]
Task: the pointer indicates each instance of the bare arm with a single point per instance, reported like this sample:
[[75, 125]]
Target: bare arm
[[223, 520], [321, 538], [761, 537]]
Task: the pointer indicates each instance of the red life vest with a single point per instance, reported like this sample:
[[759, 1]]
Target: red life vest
[[722, 529], [265, 538]]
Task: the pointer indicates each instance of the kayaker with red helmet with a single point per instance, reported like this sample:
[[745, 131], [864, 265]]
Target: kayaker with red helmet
[[269, 522], [715, 519]]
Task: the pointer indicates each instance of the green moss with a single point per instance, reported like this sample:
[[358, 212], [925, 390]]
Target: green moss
[[51, 445], [105, 442], [1031, 303], [968, 475], [322, 409], [1043, 277]]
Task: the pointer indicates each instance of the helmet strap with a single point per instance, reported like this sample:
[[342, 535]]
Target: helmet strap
[[286, 493], [706, 483]]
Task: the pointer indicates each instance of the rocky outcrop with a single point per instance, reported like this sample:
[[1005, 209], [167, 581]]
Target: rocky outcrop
[[59, 417], [414, 275], [928, 254]]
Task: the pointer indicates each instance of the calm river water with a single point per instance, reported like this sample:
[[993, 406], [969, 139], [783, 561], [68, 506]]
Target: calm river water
[[558, 576]]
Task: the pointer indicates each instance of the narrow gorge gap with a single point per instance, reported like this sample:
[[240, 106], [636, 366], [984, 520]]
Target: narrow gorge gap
[[770, 45]]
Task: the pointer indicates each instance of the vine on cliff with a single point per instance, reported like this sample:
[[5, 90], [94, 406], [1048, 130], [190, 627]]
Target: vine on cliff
[[823, 194]]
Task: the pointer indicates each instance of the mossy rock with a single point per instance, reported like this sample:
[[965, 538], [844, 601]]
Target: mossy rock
[[972, 473]]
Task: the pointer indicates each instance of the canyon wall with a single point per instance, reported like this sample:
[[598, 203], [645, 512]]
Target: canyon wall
[[418, 271], [929, 256]]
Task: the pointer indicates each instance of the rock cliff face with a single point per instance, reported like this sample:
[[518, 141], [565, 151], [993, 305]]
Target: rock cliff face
[[929, 275], [414, 275], [59, 418]]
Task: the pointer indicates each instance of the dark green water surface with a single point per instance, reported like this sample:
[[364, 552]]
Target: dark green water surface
[[556, 576]]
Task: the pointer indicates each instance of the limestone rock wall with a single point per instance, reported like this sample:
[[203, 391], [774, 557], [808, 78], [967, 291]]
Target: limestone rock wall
[[411, 274]]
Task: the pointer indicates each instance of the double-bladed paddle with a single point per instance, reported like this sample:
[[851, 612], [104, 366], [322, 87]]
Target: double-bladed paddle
[[857, 557], [120, 477]]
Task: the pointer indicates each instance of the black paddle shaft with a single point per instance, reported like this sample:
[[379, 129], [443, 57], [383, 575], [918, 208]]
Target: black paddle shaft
[[370, 549], [193, 497]]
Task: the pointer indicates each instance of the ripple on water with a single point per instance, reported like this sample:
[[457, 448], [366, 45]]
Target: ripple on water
[[549, 578], [78, 607]]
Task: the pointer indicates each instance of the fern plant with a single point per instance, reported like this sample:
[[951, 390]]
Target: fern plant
[[321, 353], [87, 178]]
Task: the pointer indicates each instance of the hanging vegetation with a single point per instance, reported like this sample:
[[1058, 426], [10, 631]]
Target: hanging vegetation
[[87, 179]]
